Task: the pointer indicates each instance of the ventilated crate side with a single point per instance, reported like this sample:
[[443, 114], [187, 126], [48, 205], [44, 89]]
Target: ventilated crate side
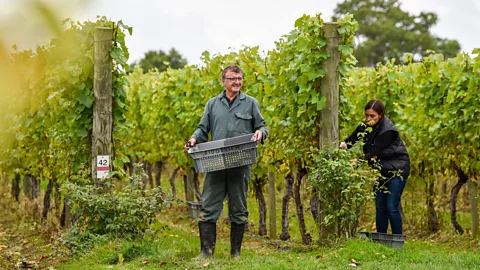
[[194, 209], [390, 240], [224, 154]]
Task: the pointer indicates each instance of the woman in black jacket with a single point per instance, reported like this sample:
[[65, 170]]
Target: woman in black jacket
[[383, 143]]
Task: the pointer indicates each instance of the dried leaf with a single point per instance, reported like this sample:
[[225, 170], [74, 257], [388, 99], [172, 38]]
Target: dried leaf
[[3, 247], [352, 265], [146, 261], [206, 264], [163, 263], [43, 258], [354, 261], [323, 256]]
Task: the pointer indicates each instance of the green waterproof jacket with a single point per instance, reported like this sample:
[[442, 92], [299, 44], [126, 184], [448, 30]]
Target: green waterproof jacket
[[224, 121]]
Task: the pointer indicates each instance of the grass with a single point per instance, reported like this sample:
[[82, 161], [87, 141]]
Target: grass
[[174, 242]]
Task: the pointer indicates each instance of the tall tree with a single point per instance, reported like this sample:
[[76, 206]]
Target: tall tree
[[161, 60], [386, 31]]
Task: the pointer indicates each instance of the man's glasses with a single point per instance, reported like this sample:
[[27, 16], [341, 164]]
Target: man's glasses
[[235, 79]]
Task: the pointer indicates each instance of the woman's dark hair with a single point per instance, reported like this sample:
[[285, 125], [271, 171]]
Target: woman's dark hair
[[377, 106]]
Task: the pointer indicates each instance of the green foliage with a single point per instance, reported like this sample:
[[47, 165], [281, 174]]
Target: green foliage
[[48, 134], [125, 213], [387, 32], [161, 60], [434, 104], [345, 184], [286, 82], [78, 241]]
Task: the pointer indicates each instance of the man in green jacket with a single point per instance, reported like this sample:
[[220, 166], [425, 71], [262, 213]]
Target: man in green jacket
[[232, 113]]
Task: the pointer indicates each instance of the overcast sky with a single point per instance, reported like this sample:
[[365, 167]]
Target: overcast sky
[[193, 26]]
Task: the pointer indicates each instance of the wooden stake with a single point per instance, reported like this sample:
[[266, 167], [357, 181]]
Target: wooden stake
[[272, 206], [102, 107], [329, 130]]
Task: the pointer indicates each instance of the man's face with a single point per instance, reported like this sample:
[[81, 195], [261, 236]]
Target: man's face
[[233, 81]]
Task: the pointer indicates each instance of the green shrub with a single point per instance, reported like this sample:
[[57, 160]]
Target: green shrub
[[345, 183], [100, 209]]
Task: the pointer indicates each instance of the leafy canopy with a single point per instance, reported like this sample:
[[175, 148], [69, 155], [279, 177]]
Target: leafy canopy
[[161, 60], [386, 31]]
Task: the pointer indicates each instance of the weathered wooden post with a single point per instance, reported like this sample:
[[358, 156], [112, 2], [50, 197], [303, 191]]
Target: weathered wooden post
[[272, 206], [190, 186], [67, 213], [474, 207], [329, 130], [102, 106]]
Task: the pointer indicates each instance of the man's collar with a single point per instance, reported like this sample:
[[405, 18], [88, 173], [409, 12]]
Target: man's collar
[[223, 94]]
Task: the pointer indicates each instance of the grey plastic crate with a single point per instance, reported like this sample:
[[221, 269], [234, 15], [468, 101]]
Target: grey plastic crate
[[224, 154], [389, 240], [194, 209]]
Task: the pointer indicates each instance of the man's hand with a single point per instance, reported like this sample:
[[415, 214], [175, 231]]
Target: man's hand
[[257, 136], [190, 143]]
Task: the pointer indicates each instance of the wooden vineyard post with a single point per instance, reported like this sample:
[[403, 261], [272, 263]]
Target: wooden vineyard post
[[190, 189], [329, 130], [272, 209], [474, 207], [102, 106]]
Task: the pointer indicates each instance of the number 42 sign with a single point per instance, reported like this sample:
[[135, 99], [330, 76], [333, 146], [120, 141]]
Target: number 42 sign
[[103, 166]]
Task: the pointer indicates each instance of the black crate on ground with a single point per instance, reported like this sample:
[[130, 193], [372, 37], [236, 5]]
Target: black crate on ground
[[389, 240], [194, 209], [224, 154]]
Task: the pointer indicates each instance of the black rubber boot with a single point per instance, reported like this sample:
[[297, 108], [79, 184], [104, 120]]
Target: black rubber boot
[[208, 237], [236, 237]]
